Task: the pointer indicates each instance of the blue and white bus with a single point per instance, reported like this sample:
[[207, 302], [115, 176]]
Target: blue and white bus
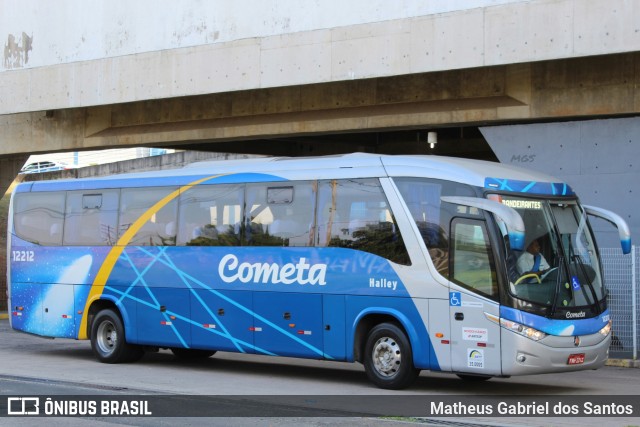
[[402, 263]]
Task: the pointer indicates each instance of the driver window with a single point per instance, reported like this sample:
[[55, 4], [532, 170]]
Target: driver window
[[471, 260]]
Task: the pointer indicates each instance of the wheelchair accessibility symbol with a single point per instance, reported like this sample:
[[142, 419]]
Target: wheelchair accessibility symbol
[[575, 283], [455, 299]]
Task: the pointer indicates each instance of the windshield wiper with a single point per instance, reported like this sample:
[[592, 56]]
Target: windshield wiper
[[556, 297]]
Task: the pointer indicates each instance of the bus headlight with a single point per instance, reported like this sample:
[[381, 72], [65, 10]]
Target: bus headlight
[[525, 331], [607, 329]]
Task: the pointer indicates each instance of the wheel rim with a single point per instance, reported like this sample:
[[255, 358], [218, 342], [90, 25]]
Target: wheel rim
[[386, 356], [107, 337]]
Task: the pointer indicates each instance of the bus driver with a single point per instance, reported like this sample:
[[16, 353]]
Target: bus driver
[[532, 261]]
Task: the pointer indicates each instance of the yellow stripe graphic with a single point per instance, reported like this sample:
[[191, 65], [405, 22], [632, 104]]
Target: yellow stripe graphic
[[116, 251]]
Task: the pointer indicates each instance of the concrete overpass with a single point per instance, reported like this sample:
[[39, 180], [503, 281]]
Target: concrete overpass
[[300, 79]]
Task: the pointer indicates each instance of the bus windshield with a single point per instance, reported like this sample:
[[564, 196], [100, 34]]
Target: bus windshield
[[558, 270]]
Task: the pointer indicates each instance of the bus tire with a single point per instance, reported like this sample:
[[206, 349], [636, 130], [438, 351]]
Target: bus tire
[[388, 358], [191, 354], [108, 340]]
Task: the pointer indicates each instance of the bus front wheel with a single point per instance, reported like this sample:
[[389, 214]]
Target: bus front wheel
[[108, 341], [388, 359]]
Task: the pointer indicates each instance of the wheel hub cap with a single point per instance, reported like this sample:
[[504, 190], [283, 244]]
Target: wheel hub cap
[[386, 356], [107, 337]]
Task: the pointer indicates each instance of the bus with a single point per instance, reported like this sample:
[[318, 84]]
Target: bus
[[402, 263]]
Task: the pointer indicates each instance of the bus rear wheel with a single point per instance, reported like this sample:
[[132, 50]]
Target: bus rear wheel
[[108, 340], [388, 359]]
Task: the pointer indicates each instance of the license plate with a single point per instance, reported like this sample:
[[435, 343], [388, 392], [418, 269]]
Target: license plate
[[576, 359]]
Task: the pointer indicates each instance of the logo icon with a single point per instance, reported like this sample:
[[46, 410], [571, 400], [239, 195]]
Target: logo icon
[[475, 358], [576, 341], [575, 283], [23, 406], [455, 299]]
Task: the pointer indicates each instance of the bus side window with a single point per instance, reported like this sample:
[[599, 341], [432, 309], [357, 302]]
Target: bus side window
[[354, 213], [91, 218], [210, 215], [279, 214], [471, 258], [422, 197], [160, 228], [39, 217]]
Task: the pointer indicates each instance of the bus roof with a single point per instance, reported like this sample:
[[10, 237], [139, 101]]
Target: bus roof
[[357, 165]]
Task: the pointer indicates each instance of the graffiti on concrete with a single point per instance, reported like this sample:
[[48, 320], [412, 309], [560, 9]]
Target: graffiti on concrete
[[16, 51]]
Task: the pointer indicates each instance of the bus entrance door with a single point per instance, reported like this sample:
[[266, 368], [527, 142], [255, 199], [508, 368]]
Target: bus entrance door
[[475, 340]]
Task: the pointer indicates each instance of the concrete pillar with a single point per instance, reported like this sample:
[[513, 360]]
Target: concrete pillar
[[9, 168]]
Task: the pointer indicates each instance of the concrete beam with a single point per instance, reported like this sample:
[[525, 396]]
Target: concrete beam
[[549, 90]]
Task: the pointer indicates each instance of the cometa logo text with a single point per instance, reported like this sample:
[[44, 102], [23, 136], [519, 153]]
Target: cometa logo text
[[302, 273]]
